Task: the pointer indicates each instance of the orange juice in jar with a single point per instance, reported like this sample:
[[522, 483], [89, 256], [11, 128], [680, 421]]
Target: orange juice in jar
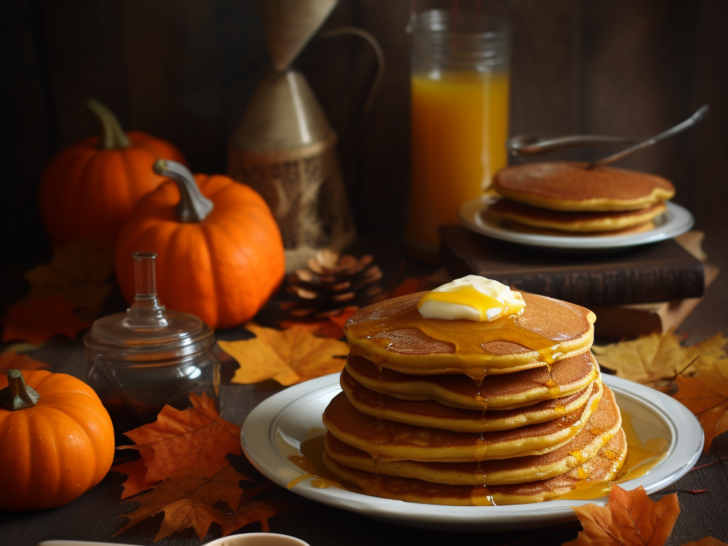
[[460, 87]]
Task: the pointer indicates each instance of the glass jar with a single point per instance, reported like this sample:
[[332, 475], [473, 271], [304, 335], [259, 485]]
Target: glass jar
[[460, 85], [149, 356]]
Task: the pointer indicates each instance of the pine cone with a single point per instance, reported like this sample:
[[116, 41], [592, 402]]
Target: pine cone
[[333, 283]]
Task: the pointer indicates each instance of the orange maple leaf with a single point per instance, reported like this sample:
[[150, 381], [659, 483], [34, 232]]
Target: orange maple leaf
[[189, 501], [12, 360], [289, 356], [80, 272], [39, 320], [707, 541], [182, 440], [630, 518], [332, 326], [706, 395], [136, 481], [411, 285], [185, 473]]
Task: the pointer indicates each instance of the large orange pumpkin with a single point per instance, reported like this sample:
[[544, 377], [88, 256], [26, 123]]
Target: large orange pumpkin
[[219, 252], [54, 446], [89, 189]]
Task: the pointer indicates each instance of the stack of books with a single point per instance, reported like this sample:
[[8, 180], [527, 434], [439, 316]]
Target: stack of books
[[640, 290]]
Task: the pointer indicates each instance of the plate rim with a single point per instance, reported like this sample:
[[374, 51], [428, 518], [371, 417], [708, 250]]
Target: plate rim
[[253, 439], [680, 220]]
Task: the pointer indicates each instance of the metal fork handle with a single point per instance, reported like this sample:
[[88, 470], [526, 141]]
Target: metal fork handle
[[679, 128], [549, 145]]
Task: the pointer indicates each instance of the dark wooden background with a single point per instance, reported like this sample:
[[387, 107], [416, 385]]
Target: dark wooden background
[[184, 69]]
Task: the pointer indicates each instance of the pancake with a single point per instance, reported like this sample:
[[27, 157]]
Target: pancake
[[435, 415], [573, 221], [604, 423], [571, 186], [394, 335], [605, 466], [500, 392], [641, 228], [389, 440]]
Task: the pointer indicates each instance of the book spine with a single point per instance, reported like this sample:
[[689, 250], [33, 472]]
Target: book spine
[[640, 284]]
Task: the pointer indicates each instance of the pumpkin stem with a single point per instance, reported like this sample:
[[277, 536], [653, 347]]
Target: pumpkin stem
[[17, 395], [113, 136], [192, 206]]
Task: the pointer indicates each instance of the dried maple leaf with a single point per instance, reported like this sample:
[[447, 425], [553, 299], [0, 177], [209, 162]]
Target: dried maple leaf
[[332, 326], [185, 473], [707, 541], [185, 439], [189, 501], [658, 356], [136, 481], [322, 327], [39, 320], [289, 356], [706, 395], [12, 360], [629, 518], [80, 272], [411, 285]]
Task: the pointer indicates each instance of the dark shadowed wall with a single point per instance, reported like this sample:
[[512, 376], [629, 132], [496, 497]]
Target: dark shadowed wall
[[184, 69]]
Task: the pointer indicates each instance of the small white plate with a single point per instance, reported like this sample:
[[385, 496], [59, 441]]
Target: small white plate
[[276, 427], [675, 221]]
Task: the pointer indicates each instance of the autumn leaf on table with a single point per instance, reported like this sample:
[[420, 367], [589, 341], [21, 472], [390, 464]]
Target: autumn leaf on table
[[185, 439], [658, 356], [185, 473], [630, 518], [80, 272], [411, 285], [707, 541], [332, 326], [10, 360], [706, 395], [288, 356], [39, 320]]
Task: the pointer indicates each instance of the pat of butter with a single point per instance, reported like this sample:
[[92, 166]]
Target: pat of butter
[[471, 298]]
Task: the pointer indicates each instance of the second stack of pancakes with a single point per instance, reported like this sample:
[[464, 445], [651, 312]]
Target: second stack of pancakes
[[468, 413], [572, 198]]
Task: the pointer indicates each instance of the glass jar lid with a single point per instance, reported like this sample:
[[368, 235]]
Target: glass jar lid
[[147, 331]]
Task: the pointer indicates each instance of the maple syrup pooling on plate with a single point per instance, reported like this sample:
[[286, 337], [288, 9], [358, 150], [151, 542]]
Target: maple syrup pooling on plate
[[468, 337], [642, 457]]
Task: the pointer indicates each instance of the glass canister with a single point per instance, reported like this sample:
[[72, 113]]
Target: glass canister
[[460, 83], [149, 356]]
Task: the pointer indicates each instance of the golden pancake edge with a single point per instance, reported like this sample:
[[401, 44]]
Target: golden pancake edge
[[389, 440], [572, 186], [604, 466], [502, 392], [601, 427], [574, 221], [393, 334]]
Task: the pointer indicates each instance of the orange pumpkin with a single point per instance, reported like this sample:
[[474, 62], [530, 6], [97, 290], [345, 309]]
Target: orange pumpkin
[[220, 252], [89, 189], [57, 441]]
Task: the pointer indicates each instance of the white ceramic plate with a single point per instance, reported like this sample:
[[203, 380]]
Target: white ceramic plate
[[275, 429], [673, 222]]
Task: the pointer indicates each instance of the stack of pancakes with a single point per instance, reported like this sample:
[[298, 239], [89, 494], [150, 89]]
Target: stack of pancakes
[[472, 413], [570, 198]]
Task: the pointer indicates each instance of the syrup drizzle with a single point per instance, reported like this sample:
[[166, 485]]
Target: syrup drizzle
[[641, 458], [469, 338]]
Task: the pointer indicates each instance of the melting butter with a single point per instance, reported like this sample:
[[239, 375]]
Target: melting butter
[[471, 298]]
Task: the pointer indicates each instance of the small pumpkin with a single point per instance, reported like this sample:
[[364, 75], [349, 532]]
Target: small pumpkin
[[219, 250], [89, 189], [56, 439]]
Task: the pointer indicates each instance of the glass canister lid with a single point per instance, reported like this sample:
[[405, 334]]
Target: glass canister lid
[[147, 331]]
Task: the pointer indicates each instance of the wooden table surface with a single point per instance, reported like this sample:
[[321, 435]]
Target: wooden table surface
[[95, 516]]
